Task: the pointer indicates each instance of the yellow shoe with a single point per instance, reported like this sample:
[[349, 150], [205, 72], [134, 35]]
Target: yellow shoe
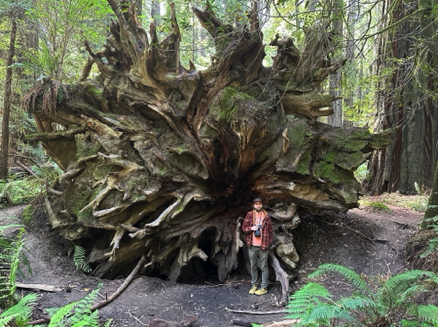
[[253, 289], [261, 291]]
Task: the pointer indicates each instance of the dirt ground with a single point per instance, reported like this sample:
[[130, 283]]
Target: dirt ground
[[368, 241]]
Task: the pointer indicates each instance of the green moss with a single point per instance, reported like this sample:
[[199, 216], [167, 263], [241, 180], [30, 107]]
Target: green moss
[[93, 90], [80, 197], [27, 214], [101, 171], [229, 103], [85, 148], [326, 170], [355, 141], [330, 157], [86, 215], [303, 166]]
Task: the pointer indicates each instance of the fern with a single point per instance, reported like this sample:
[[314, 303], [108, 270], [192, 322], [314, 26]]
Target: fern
[[79, 259], [11, 254], [428, 313], [377, 300], [400, 284], [76, 314], [21, 311], [350, 275]]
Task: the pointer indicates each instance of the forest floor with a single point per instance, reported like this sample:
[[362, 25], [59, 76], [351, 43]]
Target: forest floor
[[367, 240]]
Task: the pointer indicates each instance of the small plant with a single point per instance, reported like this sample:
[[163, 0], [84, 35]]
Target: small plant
[[432, 245], [79, 259], [20, 312], [377, 301], [77, 314], [379, 206], [11, 254]]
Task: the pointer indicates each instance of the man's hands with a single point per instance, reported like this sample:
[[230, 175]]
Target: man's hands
[[254, 227]]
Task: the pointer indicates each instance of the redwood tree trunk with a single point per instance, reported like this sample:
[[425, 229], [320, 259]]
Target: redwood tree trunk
[[4, 156], [406, 107], [164, 161]]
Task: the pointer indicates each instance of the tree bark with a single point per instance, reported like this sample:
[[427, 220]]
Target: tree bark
[[4, 156], [408, 109], [171, 157], [336, 78]]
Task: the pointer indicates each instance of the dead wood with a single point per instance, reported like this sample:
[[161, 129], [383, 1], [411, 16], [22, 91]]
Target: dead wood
[[249, 312], [39, 287]]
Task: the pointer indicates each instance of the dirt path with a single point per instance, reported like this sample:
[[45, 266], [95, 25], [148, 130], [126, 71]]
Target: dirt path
[[367, 241]]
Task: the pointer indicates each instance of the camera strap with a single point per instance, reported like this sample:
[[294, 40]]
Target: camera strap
[[262, 220]]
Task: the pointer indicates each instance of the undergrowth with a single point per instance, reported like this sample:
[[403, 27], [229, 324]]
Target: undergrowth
[[432, 244], [75, 314], [11, 254], [377, 300], [20, 191], [377, 206], [412, 202]]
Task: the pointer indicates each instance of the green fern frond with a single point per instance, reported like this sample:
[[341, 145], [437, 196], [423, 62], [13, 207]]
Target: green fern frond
[[59, 316], [402, 282], [350, 275], [308, 293], [356, 302], [428, 313], [79, 259], [76, 313], [21, 311], [10, 256], [87, 320], [305, 298], [323, 314]]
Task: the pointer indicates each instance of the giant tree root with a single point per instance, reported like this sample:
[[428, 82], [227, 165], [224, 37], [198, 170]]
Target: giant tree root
[[161, 160]]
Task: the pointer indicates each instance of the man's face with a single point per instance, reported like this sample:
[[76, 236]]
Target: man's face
[[257, 206]]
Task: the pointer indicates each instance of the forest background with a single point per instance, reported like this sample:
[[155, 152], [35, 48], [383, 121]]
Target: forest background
[[389, 81]]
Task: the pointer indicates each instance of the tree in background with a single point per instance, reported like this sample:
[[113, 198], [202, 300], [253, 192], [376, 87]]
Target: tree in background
[[7, 99], [406, 100]]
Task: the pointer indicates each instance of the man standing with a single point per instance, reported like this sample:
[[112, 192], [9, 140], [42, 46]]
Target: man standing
[[258, 229]]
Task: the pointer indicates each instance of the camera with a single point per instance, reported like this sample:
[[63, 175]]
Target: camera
[[258, 232]]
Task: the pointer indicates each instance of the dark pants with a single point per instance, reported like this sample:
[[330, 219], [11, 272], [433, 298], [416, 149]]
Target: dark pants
[[259, 258]]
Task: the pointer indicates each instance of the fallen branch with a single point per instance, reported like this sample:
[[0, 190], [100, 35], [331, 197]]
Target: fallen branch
[[108, 300], [122, 287], [39, 287], [257, 312], [27, 169], [283, 323]]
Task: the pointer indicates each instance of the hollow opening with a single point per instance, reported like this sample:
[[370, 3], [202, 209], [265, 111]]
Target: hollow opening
[[198, 270]]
